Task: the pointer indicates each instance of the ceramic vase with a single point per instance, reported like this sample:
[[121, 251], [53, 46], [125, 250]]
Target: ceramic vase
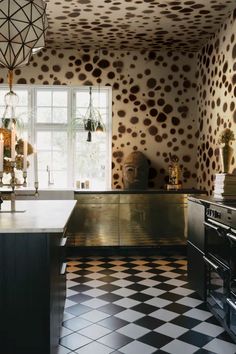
[[226, 153]]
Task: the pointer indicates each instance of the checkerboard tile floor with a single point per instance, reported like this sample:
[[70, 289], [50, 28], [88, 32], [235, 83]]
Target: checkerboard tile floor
[[137, 305]]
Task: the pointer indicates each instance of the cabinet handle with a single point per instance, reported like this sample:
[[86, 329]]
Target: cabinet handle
[[63, 268], [231, 303], [232, 237], [63, 241], [217, 224], [210, 263]]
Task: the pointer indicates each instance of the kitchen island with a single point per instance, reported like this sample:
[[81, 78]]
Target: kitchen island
[[32, 276]]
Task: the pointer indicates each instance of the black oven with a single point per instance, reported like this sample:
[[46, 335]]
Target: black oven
[[220, 260]]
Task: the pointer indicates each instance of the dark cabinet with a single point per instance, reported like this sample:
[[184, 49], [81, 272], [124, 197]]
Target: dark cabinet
[[196, 246], [32, 292]]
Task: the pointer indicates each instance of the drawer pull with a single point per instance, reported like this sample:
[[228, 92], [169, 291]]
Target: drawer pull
[[210, 226], [210, 263], [231, 303], [63, 268], [63, 241]]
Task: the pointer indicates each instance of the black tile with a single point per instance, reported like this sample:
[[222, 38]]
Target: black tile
[[178, 308], [113, 323], [170, 296], [149, 322], [79, 298], [80, 288], [226, 337], [140, 297], [111, 309], [164, 286], [186, 322], [106, 271], [144, 308], [202, 306], [78, 309], [160, 278], [83, 279], [204, 351], [115, 340], [108, 279], [134, 278], [136, 287], [132, 271], [195, 338], [155, 339], [109, 297], [109, 287]]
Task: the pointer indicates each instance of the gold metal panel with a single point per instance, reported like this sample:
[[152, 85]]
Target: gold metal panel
[[97, 198], [149, 198]]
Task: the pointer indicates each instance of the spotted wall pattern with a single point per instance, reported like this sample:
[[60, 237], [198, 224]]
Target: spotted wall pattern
[[183, 25], [154, 102], [216, 100]]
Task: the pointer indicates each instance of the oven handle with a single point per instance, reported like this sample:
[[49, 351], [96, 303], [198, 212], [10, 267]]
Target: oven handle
[[211, 226], [231, 236], [217, 224], [207, 260], [231, 303]]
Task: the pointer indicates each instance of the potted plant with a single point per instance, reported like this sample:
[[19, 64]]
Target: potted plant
[[226, 151]]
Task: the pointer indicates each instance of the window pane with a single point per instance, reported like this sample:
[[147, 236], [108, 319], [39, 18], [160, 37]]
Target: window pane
[[82, 99], [44, 140], [59, 115], [44, 98], [44, 115], [60, 98]]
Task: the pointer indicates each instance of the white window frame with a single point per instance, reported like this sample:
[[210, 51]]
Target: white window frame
[[33, 126]]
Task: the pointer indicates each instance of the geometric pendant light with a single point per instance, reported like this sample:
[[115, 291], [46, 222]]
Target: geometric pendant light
[[23, 24]]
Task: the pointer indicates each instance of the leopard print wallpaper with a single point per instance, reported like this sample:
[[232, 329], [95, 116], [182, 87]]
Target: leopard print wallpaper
[[154, 102], [216, 100]]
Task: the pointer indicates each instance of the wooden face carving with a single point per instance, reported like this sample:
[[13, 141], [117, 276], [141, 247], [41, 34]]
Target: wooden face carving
[[135, 171]]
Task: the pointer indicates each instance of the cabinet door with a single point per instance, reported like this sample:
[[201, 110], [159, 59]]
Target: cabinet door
[[152, 219], [196, 233], [95, 221], [196, 269]]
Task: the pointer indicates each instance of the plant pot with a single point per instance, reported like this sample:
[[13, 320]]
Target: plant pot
[[226, 153]]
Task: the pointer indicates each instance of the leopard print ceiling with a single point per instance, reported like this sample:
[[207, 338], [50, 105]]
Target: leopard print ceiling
[[134, 24]]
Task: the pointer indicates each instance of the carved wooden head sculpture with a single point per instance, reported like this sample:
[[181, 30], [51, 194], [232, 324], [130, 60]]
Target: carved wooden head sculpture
[[135, 171]]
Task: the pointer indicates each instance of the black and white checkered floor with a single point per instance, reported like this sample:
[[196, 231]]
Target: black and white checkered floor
[[137, 305]]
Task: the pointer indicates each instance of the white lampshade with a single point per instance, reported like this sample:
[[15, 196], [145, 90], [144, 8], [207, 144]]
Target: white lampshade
[[23, 24]]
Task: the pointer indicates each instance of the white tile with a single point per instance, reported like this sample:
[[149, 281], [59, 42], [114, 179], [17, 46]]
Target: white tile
[[126, 302], [95, 262], [161, 261], [67, 316], [182, 291], [133, 331], [94, 292], [149, 282], [94, 316], [158, 302], [189, 301], [175, 282], [95, 347], [122, 283], [170, 275], [74, 341], [118, 268], [95, 283], [146, 275], [171, 330], [70, 283], [94, 331], [95, 275], [209, 329], [137, 347], [70, 292], [220, 347], [69, 303], [72, 269], [142, 268], [95, 269], [124, 292], [94, 303], [65, 332], [62, 350], [165, 268], [70, 276], [129, 315], [75, 324], [120, 275], [164, 315], [179, 347], [153, 291], [117, 262], [198, 314]]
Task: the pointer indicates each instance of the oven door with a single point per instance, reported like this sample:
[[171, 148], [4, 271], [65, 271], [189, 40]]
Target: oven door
[[217, 242], [231, 301], [217, 285], [231, 235]]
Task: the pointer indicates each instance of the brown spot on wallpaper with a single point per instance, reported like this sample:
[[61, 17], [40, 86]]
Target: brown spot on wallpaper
[[216, 100]]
